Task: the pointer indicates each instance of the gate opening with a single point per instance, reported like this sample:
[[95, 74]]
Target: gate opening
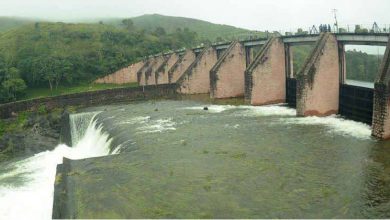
[[359, 68], [295, 59]]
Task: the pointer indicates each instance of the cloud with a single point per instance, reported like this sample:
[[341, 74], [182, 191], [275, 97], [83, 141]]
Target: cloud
[[281, 15]]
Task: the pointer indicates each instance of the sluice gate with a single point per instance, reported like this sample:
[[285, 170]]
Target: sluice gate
[[356, 103], [291, 92]]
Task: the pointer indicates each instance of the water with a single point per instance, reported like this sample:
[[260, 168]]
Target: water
[[233, 162], [178, 161], [27, 186], [360, 83]]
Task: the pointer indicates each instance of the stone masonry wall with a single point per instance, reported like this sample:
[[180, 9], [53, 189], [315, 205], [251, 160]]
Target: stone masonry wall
[[100, 97], [381, 113], [268, 75], [228, 80], [196, 80], [162, 72], [181, 65], [123, 76], [318, 83]]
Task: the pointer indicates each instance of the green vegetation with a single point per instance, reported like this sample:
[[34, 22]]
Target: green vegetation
[[44, 59], [59, 55], [30, 132], [11, 84], [300, 54], [359, 65], [7, 23], [17, 124], [205, 30], [63, 90], [362, 66]]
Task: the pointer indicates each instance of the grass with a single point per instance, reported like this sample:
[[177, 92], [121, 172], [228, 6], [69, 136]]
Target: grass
[[32, 93]]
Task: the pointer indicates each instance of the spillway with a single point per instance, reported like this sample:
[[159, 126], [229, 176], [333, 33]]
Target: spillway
[[27, 185], [178, 160]]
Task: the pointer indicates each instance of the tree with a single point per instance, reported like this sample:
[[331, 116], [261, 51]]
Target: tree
[[219, 39], [55, 54], [160, 31], [13, 88], [128, 24]]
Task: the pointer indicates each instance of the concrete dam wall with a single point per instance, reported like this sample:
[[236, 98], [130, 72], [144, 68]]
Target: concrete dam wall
[[265, 77]]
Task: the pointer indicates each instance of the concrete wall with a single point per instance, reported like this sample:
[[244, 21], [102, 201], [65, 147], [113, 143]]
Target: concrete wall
[[100, 97], [318, 82], [196, 79], [150, 77], [381, 109], [141, 72], [123, 76], [181, 65], [162, 72], [227, 78], [266, 76]]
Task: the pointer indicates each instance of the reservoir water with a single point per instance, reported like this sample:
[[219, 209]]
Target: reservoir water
[[176, 160]]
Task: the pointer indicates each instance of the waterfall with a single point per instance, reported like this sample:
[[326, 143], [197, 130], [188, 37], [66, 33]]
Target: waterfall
[[79, 123], [27, 189]]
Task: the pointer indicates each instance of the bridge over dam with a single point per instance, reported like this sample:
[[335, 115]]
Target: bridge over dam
[[261, 70]]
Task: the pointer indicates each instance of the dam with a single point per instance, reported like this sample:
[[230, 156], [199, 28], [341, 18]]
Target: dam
[[229, 145], [262, 71]]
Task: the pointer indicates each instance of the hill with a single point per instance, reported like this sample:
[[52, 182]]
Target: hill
[[205, 30], [49, 55], [7, 23]]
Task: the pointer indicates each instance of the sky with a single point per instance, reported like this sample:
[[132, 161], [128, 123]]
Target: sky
[[271, 15], [262, 15]]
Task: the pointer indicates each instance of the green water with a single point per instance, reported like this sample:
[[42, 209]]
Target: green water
[[180, 161]]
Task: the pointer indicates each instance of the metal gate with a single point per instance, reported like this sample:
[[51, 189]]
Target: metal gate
[[356, 103], [291, 92]]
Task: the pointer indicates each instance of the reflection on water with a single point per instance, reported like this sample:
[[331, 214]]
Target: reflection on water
[[178, 160], [359, 83]]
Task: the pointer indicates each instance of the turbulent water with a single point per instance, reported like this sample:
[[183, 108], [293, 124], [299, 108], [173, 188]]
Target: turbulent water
[[27, 186], [257, 162], [238, 161]]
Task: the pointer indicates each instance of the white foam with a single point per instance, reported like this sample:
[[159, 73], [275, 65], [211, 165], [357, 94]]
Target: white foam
[[235, 126], [136, 120], [212, 108], [335, 124], [34, 199], [269, 110], [159, 125], [249, 111]]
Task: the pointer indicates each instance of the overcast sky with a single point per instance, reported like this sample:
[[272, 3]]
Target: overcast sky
[[252, 14]]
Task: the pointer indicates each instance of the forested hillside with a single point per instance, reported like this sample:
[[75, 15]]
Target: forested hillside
[[205, 30], [362, 66], [7, 23], [53, 54]]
